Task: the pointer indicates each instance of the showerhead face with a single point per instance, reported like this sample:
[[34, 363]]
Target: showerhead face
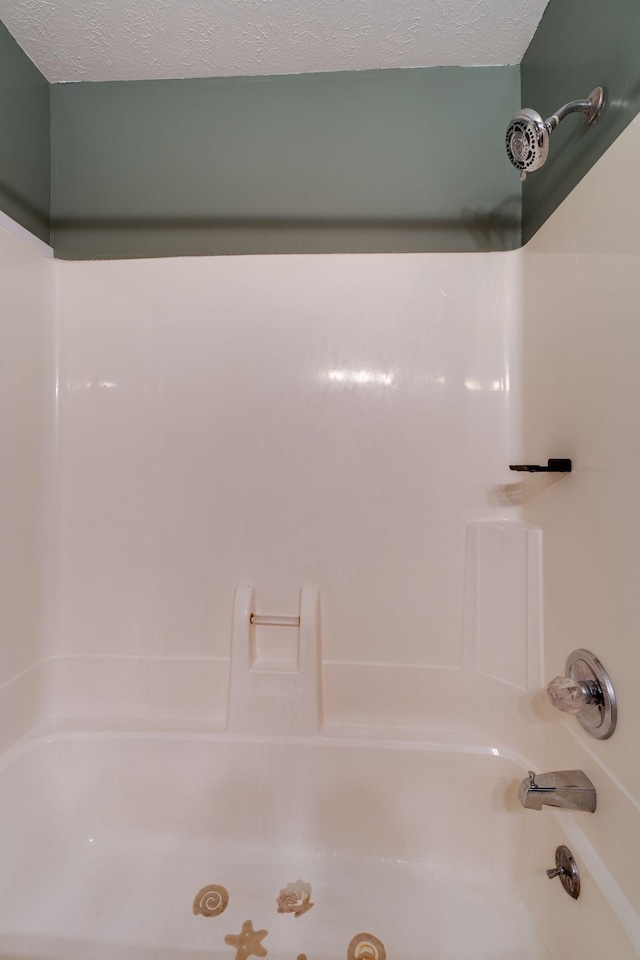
[[527, 141]]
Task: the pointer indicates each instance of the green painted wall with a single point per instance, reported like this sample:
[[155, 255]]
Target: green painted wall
[[579, 45], [373, 161], [394, 160], [25, 156]]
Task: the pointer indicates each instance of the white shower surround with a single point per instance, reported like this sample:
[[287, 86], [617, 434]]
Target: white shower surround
[[276, 420], [133, 573], [156, 39]]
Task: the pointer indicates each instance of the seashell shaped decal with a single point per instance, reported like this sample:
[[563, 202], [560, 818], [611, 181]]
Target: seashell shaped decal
[[211, 901], [365, 946], [295, 898]]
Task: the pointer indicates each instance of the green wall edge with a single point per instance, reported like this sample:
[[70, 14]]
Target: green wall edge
[[579, 44], [372, 161], [25, 153]]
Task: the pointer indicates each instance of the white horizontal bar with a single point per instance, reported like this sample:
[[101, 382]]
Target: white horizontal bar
[[265, 621]]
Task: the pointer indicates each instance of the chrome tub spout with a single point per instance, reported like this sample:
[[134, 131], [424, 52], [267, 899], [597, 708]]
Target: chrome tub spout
[[568, 789]]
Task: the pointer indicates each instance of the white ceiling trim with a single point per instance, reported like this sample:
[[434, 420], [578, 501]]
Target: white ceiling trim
[[152, 39]]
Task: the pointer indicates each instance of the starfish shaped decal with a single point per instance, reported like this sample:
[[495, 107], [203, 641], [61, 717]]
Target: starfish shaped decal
[[247, 943]]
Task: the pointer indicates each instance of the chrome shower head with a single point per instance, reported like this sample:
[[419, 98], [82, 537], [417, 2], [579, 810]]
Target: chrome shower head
[[527, 137], [527, 141]]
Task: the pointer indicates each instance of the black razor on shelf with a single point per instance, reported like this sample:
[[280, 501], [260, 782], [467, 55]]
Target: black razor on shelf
[[553, 466]]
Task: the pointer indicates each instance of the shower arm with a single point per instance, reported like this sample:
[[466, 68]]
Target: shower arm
[[591, 108]]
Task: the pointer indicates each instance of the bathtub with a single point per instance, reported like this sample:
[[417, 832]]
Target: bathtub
[[336, 847]]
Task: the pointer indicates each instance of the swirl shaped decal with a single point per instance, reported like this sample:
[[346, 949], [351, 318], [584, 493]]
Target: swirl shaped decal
[[365, 946], [211, 901]]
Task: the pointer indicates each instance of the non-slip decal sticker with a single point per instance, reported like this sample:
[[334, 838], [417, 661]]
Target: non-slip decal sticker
[[295, 898], [247, 942]]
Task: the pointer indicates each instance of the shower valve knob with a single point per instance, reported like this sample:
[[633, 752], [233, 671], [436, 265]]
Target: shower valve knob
[[587, 693], [571, 695]]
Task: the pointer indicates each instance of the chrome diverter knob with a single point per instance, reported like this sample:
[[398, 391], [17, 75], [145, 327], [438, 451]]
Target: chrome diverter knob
[[567, 869]]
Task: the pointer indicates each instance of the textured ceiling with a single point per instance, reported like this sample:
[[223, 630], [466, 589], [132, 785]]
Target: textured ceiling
[[150, 39]]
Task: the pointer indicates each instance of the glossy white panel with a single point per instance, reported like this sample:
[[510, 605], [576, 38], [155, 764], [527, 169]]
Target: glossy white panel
[[332, 420], [26, 308], [399, 701], [581, 400], [147, 688], [504, 572], [23, 705]]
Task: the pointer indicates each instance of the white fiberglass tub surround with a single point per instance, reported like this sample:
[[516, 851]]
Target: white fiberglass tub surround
[[108, 839], [136, 845]]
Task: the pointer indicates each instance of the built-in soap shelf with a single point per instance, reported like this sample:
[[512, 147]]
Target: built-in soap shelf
[[275, 667]]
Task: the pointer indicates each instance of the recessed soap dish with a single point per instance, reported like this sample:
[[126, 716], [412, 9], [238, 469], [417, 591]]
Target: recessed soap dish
[[587, 692]]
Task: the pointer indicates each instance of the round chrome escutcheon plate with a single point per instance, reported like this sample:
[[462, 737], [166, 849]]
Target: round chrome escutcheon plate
[[599, 720]]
